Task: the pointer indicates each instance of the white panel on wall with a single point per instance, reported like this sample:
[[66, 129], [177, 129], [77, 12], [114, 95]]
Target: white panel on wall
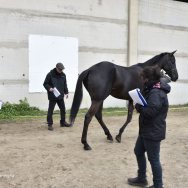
[[45, 52]]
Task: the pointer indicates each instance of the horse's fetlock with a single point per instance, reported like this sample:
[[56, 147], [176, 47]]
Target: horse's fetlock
[[83, 141]]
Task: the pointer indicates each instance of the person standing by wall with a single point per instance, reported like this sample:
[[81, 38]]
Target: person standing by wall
[[152, 127], [56, 83]]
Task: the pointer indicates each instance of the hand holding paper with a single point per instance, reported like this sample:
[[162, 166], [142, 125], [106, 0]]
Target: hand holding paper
[[137, 97], [56, 92]]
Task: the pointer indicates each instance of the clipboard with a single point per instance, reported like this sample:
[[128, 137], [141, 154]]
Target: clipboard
[[137, 97]]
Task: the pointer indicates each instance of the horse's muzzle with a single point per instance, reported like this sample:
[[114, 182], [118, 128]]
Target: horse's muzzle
[[174, 75]]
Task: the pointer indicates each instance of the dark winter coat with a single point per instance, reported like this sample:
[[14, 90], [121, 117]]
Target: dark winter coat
[[152, 119], [58, 80]]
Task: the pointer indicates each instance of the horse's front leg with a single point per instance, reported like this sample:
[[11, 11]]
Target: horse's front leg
[[88, 117], [129, 118]]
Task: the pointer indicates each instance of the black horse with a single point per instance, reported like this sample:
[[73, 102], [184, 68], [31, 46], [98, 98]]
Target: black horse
[[104, 79]]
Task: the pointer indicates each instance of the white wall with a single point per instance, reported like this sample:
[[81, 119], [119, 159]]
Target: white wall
[[99, 25], [163, 27]]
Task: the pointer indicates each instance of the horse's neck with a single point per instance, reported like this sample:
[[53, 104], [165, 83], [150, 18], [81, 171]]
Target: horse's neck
[[148, 64], [155, 61]]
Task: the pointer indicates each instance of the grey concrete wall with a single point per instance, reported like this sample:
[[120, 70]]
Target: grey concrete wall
[[163, 27], [99, 25]]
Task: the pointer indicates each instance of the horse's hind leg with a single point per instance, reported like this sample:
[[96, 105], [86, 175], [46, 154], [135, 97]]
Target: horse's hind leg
[[98, 116], [129, 117], [88, 117]]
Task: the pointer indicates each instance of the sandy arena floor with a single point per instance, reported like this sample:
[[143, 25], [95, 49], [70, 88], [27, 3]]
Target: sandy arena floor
[[33, 157]]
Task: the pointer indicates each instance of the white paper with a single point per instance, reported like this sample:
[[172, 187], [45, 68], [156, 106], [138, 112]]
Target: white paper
[[137, 97], [56, 92]]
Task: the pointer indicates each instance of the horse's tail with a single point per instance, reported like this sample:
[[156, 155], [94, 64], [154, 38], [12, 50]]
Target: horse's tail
[[77, 97]]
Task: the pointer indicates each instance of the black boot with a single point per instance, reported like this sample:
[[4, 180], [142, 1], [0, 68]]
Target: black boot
[[50, 128], [65, 124], [137, 182], [154, 187]]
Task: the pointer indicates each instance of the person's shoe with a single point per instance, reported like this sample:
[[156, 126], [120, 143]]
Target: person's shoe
[[137, 182], [65, 124], [50, 128], [153, 187]]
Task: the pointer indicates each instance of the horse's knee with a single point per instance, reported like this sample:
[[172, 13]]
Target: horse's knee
[[98, 116], [88, 117]]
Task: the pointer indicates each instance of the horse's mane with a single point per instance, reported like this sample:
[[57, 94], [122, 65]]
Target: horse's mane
[[153, 60]]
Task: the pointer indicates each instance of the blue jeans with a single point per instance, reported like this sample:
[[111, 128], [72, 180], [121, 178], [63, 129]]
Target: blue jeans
[[152, 148]]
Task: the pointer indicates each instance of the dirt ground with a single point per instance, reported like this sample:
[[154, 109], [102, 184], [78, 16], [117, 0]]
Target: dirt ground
[[33, 157]]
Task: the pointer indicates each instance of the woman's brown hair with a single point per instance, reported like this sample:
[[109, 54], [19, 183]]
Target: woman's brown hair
[[151, 73]]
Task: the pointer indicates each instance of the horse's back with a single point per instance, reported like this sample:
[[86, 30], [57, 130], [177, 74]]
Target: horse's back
[[106, 78], [102, 66], [100, 79]]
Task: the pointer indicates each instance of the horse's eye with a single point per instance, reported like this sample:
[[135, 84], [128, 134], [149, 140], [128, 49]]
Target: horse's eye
[[173, 62]]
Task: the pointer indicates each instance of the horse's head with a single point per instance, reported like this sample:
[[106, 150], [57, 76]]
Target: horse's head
[[168, 64]]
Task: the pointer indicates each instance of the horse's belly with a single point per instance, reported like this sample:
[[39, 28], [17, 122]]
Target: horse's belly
[[120, 95]]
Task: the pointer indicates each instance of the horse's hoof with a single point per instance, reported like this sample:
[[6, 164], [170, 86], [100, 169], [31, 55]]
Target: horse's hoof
[[87, 147], [118, 138], [110, 138]]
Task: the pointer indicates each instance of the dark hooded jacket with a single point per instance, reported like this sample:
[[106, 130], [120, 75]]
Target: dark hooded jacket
[[58, 80], [152, 119]]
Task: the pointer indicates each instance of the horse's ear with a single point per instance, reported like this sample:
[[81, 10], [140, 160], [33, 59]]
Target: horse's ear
[[173, 52]]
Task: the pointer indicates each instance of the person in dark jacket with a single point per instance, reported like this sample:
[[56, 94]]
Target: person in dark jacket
[[152, 127], [56, 81]]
